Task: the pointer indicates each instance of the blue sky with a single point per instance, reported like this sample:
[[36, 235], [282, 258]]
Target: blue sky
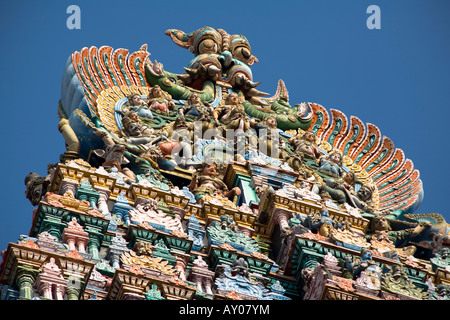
[[397, 77]]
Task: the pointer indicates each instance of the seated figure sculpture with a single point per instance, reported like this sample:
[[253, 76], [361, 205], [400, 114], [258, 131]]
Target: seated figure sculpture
[[232, 114], [321, 223], [331, 165], [341, 184], [159, 100], [195, 108], [331, 171], [346, 191], [364, 263], [207, 183]]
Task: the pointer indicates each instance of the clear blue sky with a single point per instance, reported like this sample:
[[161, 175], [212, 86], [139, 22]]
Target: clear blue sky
[[397, 78]]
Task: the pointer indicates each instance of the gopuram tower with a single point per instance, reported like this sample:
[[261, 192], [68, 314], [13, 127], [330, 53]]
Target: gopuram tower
[[199, 186]]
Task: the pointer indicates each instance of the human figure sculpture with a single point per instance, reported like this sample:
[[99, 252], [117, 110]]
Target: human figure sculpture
[[306, 145], [240, 266], [132, 125], [114, 154], [331, 165], [271, 143], [181, 135], [159, 100], [207, 182], [338, 183], [195, 108], [363, 198], [344, 192], [397, 281], [232, 114], [136, 104], [364, 262], [320, 223], [380, 224]]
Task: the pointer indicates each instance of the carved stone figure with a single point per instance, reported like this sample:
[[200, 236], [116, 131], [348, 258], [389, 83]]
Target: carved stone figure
[[132, 125], [240, 266], [226, 231], [235, 280], [218, 57], [331, 171], [396, 281], [195, 108], [441, 259], [365, 261], [441, 292], [331, 165], [206, 45], [270, 141], [237, 69], [321, 224]]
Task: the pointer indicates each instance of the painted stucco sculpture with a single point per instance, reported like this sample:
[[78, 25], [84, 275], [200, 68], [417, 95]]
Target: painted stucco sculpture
[[153, 199]]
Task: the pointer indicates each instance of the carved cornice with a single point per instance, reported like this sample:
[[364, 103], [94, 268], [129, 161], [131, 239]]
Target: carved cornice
[[134, 282], [32, 258]]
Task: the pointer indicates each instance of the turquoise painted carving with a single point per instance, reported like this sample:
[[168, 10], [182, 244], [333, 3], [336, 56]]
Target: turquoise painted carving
[[226, 231], [396, 281], [237, 278], [441, 259], [121, 209], [86, 193], [196, 232], [153, 293]]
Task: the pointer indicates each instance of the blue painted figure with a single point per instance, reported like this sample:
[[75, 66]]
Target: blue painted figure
[[139, 106]]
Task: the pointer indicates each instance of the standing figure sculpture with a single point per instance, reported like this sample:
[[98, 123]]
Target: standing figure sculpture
[[270, 141]]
